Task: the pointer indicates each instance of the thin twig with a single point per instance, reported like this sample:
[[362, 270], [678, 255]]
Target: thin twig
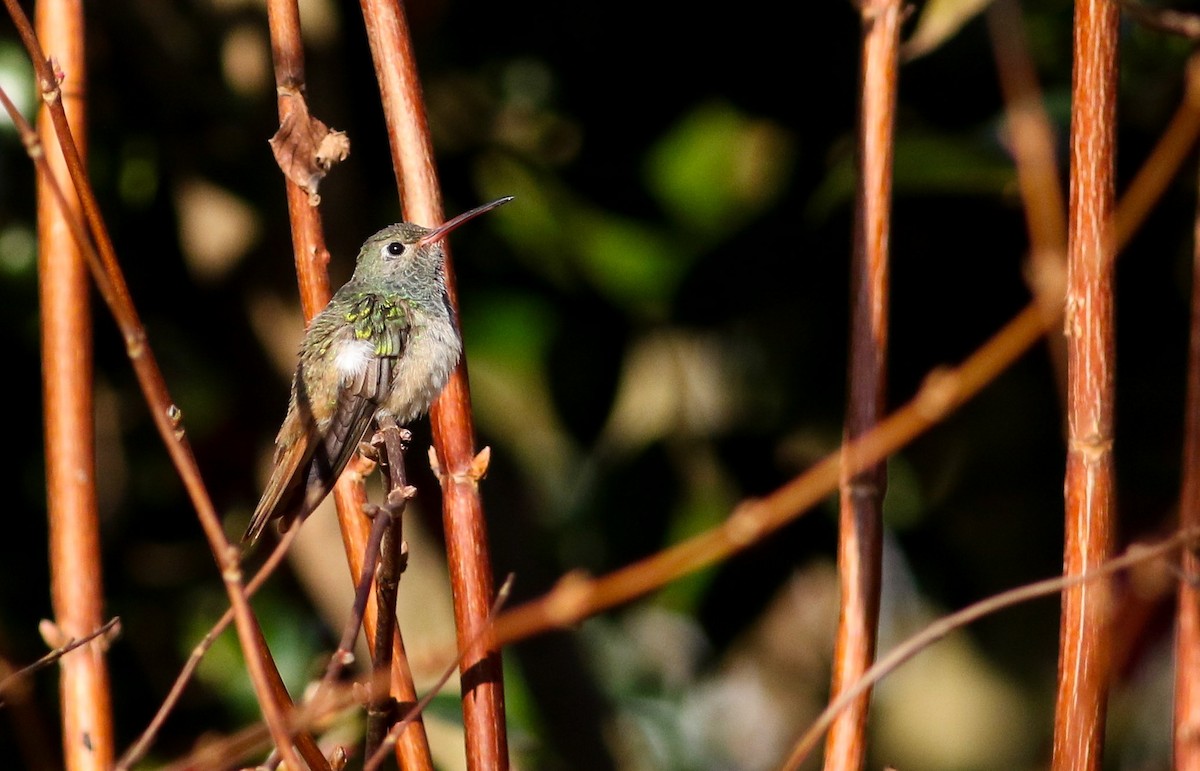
[[1032, 142], [344, 653], [1164, 162], [415, 711], [391, 441], [108, 631], [935, 631], [412, 749], [106, 272]]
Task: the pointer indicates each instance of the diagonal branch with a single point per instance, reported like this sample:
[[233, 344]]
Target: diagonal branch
[[106, 272]]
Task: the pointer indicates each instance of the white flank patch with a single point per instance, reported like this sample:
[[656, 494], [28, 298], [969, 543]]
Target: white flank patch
[[353, 358]]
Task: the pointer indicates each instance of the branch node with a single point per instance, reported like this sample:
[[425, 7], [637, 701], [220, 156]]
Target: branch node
[[52, 634], [232, 574], [743, 527], [135, 343], [938, 394], [51, 91], [569, 600], [435, 465], [479, 464], [399, 496], [175, 415]]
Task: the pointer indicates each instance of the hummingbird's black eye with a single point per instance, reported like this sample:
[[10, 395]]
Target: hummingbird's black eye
[[395, 248]]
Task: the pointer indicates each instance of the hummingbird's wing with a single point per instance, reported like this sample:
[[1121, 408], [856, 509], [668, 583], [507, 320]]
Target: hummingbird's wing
[[320, 435]]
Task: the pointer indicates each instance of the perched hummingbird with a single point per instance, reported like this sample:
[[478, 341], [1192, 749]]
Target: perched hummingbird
[[387, 341]]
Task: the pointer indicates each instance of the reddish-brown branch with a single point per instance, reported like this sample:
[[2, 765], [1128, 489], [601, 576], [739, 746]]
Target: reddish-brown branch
[[1084, 647], [308, 240], [1171, 150], [412, 746], [312, 260], [453, 429], [106, 272], [138, 749], [1032, 142], [861, 500], [1187, 641], [76, 585], [577, 597], [1135, 555]]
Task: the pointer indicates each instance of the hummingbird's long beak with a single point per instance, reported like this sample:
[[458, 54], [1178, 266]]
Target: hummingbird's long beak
[[441, 230]]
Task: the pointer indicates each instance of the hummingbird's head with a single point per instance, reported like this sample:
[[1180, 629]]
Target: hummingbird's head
[[411, 253]]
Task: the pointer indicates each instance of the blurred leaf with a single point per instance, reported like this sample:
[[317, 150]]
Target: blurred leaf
[[635, 265], [507, 336], [718, 167], [533, 222], [16, 78], [708, 501], [18, 250], [923, 165], [940, 20], [632, 264], [294, 646], [903, 506]]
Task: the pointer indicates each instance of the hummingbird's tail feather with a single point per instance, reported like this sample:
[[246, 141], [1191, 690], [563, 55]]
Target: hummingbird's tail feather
[[285, 490], [305, 471]]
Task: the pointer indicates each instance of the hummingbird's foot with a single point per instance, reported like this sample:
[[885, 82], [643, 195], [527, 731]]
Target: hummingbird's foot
[[369, 450], [400, 496], [402, 558]]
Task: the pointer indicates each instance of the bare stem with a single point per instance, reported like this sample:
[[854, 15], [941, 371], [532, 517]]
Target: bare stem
[[75, 565], [381, 711], [861, 498], [938, 629], [1084, 644], [1031, 139], [106, 272], [1187, 631], [452, 422]]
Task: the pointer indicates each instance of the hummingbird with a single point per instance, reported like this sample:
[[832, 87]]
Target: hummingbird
[[386, 341]]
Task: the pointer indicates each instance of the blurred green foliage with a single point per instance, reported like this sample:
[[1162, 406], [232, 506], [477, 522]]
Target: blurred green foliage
[[655, 330]]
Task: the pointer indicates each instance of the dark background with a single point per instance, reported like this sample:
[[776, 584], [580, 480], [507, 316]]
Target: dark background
[[655, 329]]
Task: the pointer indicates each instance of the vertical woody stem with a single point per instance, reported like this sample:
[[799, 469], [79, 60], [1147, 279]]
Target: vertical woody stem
[[452, 422], [861, 504], [1086, 608], [312, 260], [1187, 640], [76, 587]]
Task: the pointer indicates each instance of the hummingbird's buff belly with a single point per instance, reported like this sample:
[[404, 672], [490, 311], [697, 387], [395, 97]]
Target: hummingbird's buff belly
[[385, 341], [430, 355]]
